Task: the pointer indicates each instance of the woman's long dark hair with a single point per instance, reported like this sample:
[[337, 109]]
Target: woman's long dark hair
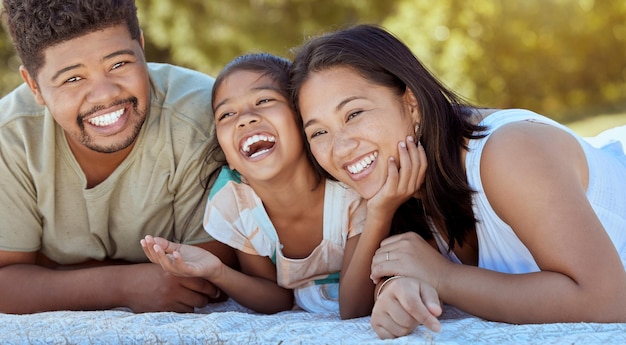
[[445, 123]]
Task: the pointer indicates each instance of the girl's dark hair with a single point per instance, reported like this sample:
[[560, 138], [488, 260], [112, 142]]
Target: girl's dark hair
[[383, 59], [39, 24]]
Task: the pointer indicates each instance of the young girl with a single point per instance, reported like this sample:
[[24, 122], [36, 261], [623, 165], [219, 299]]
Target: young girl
[[293, 229], [530, 217]]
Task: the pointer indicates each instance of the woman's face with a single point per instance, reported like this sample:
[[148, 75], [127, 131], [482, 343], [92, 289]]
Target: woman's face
[[354, 126]]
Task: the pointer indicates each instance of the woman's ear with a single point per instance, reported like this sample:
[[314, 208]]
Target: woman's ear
[[32, 84], [411, 101]]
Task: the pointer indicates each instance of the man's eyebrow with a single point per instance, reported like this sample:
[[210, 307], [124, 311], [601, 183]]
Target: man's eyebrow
[[120, 52], [110, 56]]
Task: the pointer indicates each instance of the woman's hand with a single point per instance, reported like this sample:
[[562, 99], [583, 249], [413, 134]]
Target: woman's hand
[[181, 259], [409, 255], [403, 179], [404, 304]]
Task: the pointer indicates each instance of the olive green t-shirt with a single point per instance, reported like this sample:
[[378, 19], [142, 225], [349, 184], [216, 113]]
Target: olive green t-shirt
[[44, 202]]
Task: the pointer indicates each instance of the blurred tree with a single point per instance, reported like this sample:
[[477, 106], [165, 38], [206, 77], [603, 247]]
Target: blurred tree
[[9, 64], [205, 35], [563, 58]]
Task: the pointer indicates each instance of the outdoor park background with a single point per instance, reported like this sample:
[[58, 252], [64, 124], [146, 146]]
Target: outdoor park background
[[565, 59]]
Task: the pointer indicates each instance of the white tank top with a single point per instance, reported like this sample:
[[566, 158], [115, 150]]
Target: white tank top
[[499, 247]]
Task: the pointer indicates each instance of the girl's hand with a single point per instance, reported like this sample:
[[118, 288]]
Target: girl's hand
[[181, 259], [403, 181], [409, 255], [404, 304]]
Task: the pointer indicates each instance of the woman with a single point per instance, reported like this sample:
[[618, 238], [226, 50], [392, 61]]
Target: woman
[[529, 217]]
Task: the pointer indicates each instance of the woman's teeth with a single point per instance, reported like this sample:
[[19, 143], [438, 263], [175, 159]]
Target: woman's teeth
[[106, 119], [364, 163]]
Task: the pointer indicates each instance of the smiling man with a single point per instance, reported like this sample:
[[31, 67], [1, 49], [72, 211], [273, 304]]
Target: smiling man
[[98, 148]]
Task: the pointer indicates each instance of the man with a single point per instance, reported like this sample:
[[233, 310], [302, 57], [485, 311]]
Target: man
[[98, 149]]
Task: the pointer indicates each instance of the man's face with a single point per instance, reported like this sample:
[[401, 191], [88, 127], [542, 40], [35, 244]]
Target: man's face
[[96, 87]]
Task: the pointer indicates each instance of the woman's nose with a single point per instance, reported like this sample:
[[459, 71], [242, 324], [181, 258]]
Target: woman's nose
[[344, 144]]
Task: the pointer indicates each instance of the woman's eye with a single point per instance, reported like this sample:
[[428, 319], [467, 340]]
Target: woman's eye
[[354, 114], [317, 133]]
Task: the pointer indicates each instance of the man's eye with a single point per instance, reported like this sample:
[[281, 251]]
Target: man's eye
[[119, 64], [72, 80]]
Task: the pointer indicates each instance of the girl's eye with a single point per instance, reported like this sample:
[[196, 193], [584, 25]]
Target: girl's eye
[[225, 115], [264, 100]]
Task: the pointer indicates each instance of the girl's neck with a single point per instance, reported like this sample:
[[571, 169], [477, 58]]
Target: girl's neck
[[294, 188]]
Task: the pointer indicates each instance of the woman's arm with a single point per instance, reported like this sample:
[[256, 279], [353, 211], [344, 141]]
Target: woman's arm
[[254, 287], [356, 289], [535, 177]]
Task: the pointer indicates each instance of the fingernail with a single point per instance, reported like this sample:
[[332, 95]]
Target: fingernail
[[410, 139], [402, 144]]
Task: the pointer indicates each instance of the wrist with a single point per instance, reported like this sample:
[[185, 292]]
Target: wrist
[[384, 284]]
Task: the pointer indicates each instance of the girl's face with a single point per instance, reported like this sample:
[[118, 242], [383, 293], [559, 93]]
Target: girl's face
[[353, 126], [255, 126]]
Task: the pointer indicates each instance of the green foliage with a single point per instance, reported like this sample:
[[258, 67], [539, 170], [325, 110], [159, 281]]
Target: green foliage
[[559, 57], [563, 58], [205, 35]]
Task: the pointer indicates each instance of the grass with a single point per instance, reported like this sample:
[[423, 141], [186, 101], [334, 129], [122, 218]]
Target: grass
[[593, 125]]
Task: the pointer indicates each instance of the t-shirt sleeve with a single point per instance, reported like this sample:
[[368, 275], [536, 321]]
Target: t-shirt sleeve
[[357, 211], [189, 203], [230, 218], [20, 225]]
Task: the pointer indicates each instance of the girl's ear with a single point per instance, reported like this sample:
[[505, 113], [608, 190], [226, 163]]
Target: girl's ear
[[32, 84]]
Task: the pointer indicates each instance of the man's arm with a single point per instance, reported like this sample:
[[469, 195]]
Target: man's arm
[[28, 287]]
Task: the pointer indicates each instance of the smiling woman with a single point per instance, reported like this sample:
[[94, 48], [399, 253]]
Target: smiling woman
[[494, 221]]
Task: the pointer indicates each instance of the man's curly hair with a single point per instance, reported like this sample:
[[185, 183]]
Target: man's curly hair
[[36, 25]]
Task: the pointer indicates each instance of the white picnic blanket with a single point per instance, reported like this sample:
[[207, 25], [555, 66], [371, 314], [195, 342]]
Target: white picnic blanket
[[230, 323]]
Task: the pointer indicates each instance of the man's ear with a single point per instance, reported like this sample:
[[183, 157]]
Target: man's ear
[[32, 84], [141, 40]]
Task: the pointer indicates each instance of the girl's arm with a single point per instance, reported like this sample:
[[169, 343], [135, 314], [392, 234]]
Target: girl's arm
[[535, 177], [254, 287], [356, 289]]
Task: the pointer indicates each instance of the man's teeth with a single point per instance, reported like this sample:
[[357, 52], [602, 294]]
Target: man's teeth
[[364, 163], [106, 119], [255, 139]]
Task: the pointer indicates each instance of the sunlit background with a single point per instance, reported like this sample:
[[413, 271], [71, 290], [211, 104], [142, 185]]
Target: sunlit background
[[563, 58]]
